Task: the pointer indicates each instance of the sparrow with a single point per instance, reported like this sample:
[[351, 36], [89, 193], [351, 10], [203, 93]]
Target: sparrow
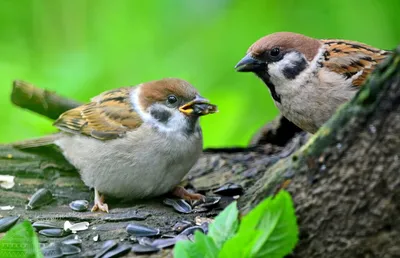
[[309, 78], [133, 142]]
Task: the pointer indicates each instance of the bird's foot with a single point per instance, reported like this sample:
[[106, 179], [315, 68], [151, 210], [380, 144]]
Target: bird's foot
[[181, 192], [99, 204]]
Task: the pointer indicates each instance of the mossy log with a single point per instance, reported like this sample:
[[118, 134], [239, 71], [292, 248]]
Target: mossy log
[[344, 180]]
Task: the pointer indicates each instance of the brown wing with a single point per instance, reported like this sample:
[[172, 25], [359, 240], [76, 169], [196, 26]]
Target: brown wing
[[108, 116], [353, 60]]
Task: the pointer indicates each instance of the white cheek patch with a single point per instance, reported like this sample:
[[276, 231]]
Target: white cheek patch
[[136, 104], [276, 69], [177, 121]]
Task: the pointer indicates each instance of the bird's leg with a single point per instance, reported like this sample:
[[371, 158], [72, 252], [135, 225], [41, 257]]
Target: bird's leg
[[181, 192], [99, 202]]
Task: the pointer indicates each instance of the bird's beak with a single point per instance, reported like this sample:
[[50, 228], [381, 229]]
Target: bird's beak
[[198, 107], [249, 64]]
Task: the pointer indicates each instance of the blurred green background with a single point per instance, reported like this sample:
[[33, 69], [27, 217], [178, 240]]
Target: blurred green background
[[80, 48]]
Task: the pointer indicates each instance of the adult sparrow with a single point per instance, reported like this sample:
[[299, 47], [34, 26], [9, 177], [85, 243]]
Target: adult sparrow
[[133, 142], [309, 78]]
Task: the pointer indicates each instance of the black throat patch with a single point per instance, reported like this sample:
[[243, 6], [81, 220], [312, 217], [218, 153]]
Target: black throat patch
[[264, 76]]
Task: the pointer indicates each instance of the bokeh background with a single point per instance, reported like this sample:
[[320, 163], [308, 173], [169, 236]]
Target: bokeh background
[[80, 48]]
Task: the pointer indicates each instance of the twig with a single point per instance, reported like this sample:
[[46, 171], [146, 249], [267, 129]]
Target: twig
[[44, 102]]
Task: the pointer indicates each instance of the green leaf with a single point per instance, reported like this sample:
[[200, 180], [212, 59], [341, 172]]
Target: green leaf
[[276, 218], [187, 249], [225, 225], [20, 241], [203, 247], [206, 245], [240, 245]]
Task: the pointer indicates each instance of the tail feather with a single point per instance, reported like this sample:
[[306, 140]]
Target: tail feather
[[36, 142]]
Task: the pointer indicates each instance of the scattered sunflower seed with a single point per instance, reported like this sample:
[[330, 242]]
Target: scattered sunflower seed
[[200, 209], [204, 226], [168, 235], [229, 189], [179, 205], [79, 205], [69, 249], [191, 237], [7, 222], [144, 249], [181, 225], [164, 243], [74, 241], [141, 231], [7, 181], [144, 240], [53, 251], [39, 225], [7, 208], [190, 230], [107, 246], [39, 198], [208, 201], [76, 227], [53, 232], [118, 252]]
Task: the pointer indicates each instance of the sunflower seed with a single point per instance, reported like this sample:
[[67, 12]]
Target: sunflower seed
[[164, 243], [179, 205], [72, 241], [107, 246], [118, 252], [39, 225], [208, 201], [53, 232], [144, 241], [191, 230], [181, 225], [79, 205], [7, 208], [229, 189], [7, 181], [141, 231], [7, 222], [39, 198], [144, 249], [69, 249], [204, 226], [76, 227], [52, 251]]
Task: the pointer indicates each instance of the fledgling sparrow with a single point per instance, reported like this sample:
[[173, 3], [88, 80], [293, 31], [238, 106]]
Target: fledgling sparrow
[[133, 142], [309, 78]]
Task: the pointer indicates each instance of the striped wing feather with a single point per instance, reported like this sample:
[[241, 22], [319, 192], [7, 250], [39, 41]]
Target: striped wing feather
[[108, 116], [353, 60]]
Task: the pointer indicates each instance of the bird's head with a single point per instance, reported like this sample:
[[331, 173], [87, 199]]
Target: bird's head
[[278, 57], [173, 104]]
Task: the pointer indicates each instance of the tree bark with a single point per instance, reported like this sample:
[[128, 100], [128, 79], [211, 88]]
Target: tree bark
[[344, 180]]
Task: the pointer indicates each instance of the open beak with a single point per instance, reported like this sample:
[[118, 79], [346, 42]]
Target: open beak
[[249, 64], [198, 107]]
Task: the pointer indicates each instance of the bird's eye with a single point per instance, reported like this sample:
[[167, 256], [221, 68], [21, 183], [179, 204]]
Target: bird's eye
[[275, 51], [172, 99]]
